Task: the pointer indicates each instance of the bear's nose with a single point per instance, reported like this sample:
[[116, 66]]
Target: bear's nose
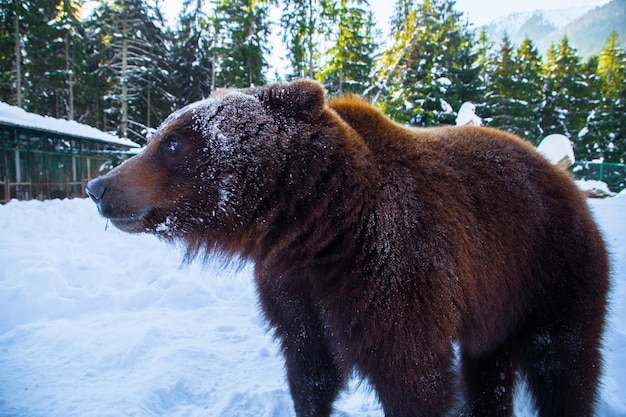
[[96, 189]]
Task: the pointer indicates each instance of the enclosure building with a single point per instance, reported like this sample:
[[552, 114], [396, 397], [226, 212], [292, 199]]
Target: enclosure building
[[42, 157]]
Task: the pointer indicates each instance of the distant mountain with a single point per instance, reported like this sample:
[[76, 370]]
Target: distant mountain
[[587, 27]]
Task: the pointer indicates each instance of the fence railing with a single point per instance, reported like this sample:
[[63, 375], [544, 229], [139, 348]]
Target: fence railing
[[613, 174], [34, 174]]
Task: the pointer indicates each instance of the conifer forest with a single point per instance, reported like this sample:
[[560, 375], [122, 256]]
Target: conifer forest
[[121, 67]]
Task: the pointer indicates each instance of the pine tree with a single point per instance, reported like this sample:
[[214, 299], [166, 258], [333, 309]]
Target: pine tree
[[483, 59], [305, 24], [617, 150], [351, 59], [565, 89], [133, 63], [394, 60], [514, 92], [604, 136], [465, 75], [552, 118], [612, 109], [243, 29], [97, 84], [191, 55], [486, 62], [529, 83], [11, 45], [69, 26], [46, 83], [35, 78], [501, 105], [45, 80], [611, 67], [591, 137], [423, 81]]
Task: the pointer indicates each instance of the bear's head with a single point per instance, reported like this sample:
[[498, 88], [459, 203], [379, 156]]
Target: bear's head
[[211, 166]]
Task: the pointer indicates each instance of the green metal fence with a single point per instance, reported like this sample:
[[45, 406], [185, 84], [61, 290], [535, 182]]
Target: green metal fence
[[614, 175], [42, 165]]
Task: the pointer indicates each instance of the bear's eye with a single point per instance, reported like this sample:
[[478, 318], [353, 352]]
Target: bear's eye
[[172, 144]]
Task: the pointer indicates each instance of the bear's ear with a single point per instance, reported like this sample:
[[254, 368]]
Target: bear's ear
[[302, 100]]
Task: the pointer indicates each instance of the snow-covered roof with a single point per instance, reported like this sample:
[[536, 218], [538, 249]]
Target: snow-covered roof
[[15, 116]]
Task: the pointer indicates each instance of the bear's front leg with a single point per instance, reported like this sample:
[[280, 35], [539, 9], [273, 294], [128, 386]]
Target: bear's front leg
[[314, 376]]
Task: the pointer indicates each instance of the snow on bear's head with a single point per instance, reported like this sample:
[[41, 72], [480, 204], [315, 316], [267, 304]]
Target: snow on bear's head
[[212, 163]]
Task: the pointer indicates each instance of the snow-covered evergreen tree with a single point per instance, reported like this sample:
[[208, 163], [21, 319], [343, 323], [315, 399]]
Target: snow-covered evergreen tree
[[612, 109], [529, 96], [514, 94], [565, 110], [12, 14], [350, 60], [306, 23], [617, 150], [421, 85], [44, 81], [71, 47], [133, 61], [500, 102], [191, 57], [41, 82], [466, 76], [591, 138], [242, 28]]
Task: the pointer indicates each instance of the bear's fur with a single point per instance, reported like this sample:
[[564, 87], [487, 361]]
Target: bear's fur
[[378, 247]]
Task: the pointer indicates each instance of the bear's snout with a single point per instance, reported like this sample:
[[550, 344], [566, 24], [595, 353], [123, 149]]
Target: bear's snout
[[99, 190], [124, 204], [96, 189]]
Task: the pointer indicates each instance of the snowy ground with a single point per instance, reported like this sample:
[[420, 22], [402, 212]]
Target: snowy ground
[[94, 322]]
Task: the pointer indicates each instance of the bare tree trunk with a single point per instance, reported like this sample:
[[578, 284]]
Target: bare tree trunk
[[310, 40], [213, 72], [70, 78], [148, 102], [18, 56], [124, 80]]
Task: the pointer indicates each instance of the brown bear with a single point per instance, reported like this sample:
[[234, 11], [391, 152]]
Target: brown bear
[[383, 249]]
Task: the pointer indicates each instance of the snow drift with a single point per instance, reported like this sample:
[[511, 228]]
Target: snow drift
[[94, 322]]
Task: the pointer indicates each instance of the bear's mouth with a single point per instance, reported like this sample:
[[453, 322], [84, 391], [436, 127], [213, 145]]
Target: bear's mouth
[[132, 223], [147, 222]]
